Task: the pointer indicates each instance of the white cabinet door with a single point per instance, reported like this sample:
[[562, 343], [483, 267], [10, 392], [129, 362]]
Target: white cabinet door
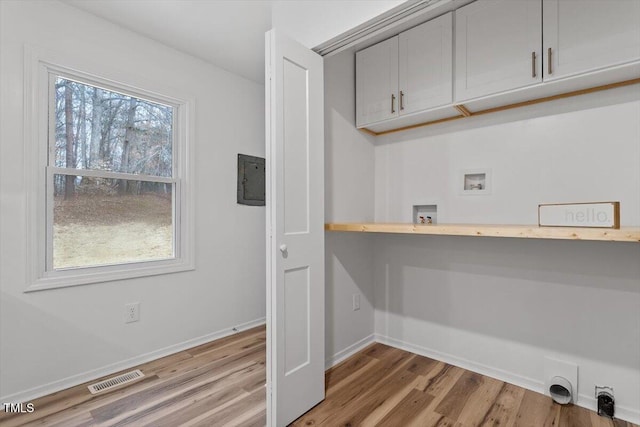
[[425, 69], [498, 44], [295, 228], [588, 35], [377, 82]]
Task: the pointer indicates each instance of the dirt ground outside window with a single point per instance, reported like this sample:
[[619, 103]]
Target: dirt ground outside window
[[91, 230]]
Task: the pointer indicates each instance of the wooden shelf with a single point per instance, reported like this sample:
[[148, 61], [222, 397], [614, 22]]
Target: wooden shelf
[[625, 234]]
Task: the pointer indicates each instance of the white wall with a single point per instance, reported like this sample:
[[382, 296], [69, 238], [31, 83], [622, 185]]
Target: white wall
[[575, 150], [51, 339], [349, 196], [499, 306]]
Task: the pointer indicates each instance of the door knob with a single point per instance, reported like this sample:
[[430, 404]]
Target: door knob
[[283, 248]]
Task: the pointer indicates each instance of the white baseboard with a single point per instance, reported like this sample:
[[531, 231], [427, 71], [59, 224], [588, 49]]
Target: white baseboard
[[584, 401], [519, 380], [349, 351], [55, 386]]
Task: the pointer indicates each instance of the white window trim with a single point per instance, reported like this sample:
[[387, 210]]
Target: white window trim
[[38, 66]]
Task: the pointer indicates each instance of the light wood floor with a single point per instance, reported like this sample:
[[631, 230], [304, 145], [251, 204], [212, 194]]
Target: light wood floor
[[222, 384], [384, 386], [216, 384]]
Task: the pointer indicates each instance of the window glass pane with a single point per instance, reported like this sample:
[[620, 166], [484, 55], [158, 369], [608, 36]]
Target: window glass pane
[[110, 221], [103, 130]]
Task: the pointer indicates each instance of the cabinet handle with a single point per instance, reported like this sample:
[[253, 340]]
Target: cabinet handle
[[549, 61], [401, 100], [533, 64], [393, 103]]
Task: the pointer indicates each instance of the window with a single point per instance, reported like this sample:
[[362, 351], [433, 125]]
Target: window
[[113, 193]]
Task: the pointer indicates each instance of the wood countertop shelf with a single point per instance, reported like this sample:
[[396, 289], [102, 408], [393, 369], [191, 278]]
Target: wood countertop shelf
[[624, 234]]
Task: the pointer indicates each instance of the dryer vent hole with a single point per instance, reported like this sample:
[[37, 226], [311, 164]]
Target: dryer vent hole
[[560, 390]]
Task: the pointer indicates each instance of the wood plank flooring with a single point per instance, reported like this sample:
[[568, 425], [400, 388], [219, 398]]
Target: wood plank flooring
[[384, 386], [216, 384], [222, 384]]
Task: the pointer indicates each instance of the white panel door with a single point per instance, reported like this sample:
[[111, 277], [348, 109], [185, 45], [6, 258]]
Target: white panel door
[[498, 44], [588, 35], [377, 82], [295, 228], [425, 67]]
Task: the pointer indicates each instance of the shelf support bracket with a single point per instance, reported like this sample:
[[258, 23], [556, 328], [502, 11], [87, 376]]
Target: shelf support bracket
[[463, 110]]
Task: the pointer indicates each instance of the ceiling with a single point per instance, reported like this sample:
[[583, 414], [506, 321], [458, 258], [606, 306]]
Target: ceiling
[[230, 33], [226, 33]]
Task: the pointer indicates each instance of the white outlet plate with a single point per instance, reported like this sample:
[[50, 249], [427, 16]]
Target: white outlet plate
[[132, 312], [356, 302]]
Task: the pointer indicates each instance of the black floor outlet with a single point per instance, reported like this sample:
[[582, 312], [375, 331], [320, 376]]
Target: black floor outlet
[[606, 405]]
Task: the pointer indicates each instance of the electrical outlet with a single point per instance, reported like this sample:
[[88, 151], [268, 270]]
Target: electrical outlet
[[606, 403], [356, 302], [132, 312]]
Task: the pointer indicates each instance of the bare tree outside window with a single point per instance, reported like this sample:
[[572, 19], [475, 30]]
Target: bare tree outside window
[[112, 186]]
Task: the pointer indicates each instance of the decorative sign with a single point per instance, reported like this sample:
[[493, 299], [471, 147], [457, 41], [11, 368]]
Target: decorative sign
[[590, 215]]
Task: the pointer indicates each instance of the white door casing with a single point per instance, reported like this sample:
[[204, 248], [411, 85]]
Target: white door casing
[[295, 228]]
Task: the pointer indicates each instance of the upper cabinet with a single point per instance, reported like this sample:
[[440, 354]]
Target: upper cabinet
[[588, 35], [503, 45], [508, 53], [377, 82], [405, 74], [426, 65], [498, 46]]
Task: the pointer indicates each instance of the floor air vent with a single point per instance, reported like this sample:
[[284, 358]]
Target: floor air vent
[[115, 381]]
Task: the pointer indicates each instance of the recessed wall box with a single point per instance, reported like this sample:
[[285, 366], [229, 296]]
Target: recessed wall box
[[425, 214], [251, 178], [475, 182]]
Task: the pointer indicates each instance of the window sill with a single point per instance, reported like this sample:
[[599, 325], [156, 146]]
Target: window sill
[[87, 276]]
